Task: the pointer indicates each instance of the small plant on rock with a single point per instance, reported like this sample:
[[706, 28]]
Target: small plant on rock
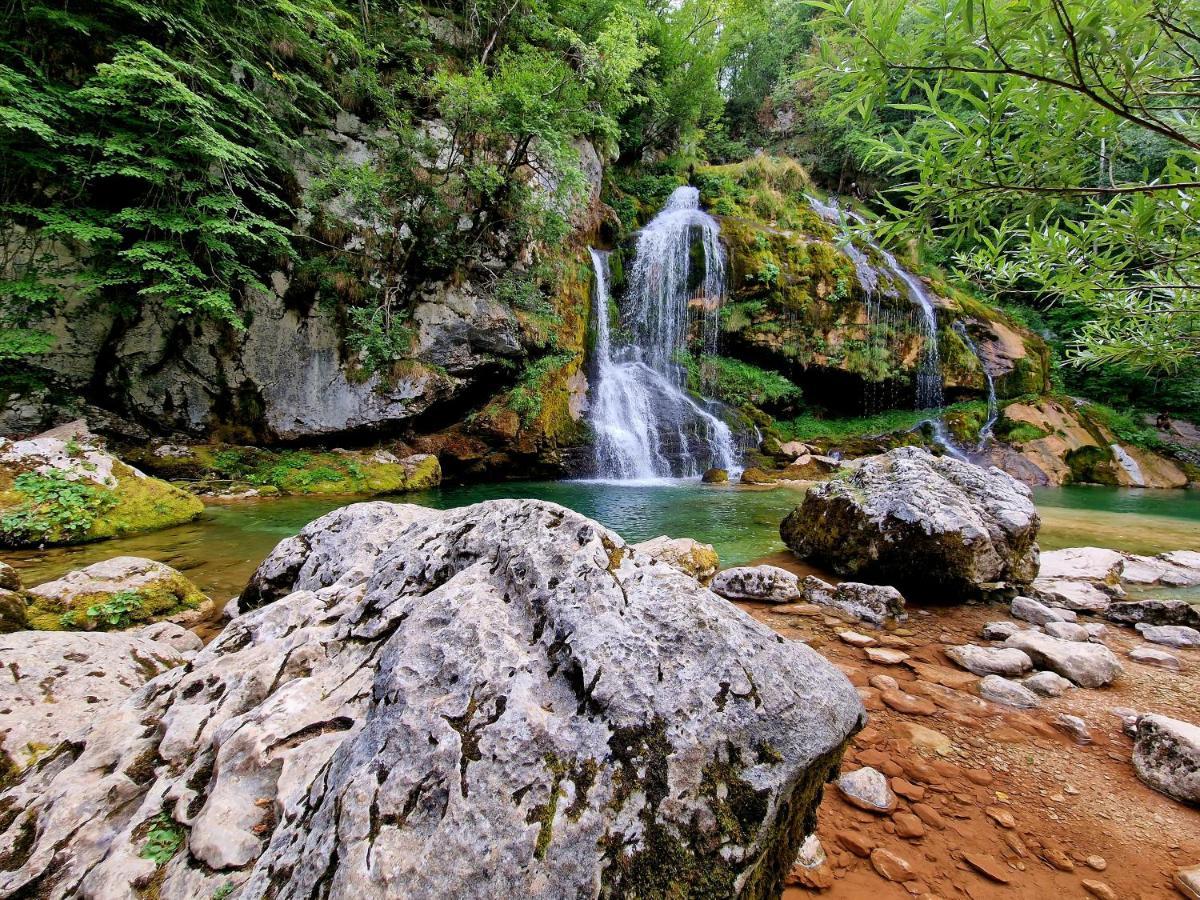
[[162, 840], [119, 610]]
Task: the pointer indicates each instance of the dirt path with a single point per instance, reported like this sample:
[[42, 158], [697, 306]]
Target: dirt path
[[1002, 787]]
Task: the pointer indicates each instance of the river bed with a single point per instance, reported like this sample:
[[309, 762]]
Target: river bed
[[222, 548]]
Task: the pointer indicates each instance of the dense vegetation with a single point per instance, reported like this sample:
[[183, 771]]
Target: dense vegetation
[[1044, 153]]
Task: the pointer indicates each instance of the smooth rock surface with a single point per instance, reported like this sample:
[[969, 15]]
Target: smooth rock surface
[[1086, 664], [1047, 684], [762, 584], [1178, 636], [1152, 656], [685, 554], [990, 660], [929, 524], [505, 692], [1038, 613], [1166, 756], [868, 789], [1010, 693]]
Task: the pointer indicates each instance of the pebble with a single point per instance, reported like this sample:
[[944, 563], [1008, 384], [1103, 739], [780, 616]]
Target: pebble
[[1099, 863], [1150, 656], [1067, 631], [885, 655], [854, 639], [856, 842], [1057, 858], [907, 789], [1007, 692], [1075, 727], [987, 865], [1098, 889], [908, 825], [1048, 684], [890, 866], [907, 703], [1187, 880], [1015, 844], [1001, 817], [929, 815], [941, 675], [884, 682], [981, 777], [867, 788], [999, 631]]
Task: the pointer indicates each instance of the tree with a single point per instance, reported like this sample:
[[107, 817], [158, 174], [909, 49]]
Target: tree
[[1052, 145]]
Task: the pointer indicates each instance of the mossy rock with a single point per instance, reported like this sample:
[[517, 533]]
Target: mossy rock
[[1094, 465], [117, 593], [63, 492]]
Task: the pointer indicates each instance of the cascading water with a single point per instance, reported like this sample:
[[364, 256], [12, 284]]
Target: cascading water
[[929, 374], [647, 426], [993, 408]]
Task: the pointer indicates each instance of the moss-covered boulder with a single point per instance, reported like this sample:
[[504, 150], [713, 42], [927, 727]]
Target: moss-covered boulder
[[226, 470], [67, 490], [113, 594]]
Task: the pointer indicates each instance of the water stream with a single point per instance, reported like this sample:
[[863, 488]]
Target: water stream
[[647, 425], [993, 408]]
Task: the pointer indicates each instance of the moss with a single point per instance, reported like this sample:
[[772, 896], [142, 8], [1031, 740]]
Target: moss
[[156, 601], [1093, 465], [1014, 432]]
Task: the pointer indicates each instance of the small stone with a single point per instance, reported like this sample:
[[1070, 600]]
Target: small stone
[[1170, 635], [929, 815], [1009, 693], [981, 777], [1096, 630], [907, 789], [1075, 727], [884, 682], [890, 866], [1047, 684], [1015, 844], [907, 703], [1038, 613], [998, 631], [987, 865], [941, 675], [867, 789], [1086, 664], [1067, 631], [1166, 756], [1151, 656], [1098, 889], [856, 842], [1057, 859], [1000, 816], [811, 868], [1099, 863], [924, 738], [1128, 717], [908, 825], [854, 639], [991, 660], [885, 655]]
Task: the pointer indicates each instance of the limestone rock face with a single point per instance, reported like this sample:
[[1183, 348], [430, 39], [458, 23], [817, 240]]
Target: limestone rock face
[[1093, 564], [339, 547], [1087, 665], [1166, 756], [56, 683], [764, 584], [685, 554], [509, 702], [935, 526]]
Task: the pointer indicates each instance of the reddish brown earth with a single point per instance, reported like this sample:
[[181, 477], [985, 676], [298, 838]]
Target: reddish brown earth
[[996, 802]]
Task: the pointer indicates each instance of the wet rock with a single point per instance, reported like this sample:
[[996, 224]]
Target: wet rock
[[756, 475], [811, 468], [1031, 610], [868, 789], [1093, 564], [1166, 756], [871, 603], [1047, 684], [1178, 636], [1074, 595], [1154, 612], [890, 866], [1151, 656], [1009, 693], [57, 683], [991, 660], [1075, 727], [999, 631], [503, 694], [762, 584], [685, 554], [338, 549], [715, 476], [113, 593], [1067, 631], [909, 518], [1087, 665]]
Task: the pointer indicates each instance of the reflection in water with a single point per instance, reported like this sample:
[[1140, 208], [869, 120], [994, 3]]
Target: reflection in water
[[222, 548]]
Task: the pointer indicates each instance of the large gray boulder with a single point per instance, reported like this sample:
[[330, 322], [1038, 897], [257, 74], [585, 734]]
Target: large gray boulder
[[338, 548], [1166, 756], [509, 702], [935, 527], [1087, 665]]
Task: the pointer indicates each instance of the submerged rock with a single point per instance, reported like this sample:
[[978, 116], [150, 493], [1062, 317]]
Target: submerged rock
[[908, 518], [685, 554], [114, 593], [507, 702], [1166, 756], [1087, 665]]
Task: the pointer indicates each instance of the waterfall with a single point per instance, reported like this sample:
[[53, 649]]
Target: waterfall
[[993, 408], [1130, 465], [929, 373], [647, 426]]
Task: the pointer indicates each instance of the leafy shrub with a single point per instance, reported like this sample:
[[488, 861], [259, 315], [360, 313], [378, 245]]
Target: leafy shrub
[[162, 840], [739, 383], [119, 610], [55, 507]]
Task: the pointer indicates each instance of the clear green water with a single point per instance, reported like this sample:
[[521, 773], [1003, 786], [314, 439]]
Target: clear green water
[[220, 549]]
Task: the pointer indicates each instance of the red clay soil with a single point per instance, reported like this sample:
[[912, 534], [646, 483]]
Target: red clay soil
[[996, 802]]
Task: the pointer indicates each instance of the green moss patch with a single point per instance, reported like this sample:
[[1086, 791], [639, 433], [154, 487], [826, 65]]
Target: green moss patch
[[113, 610]]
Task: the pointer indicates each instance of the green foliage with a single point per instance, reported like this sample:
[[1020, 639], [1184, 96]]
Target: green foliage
[[223, 891], [53, 506], [526, 398], [807, 427], [119, 610], [163, 840], [739, 383], [1124, 426]]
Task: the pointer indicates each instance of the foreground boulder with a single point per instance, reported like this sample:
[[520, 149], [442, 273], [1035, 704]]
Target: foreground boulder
[[685, 554], [54, 683], [114, 593], [929, 525], [64, 489], [1166, 756], [1087, 665], [511, 702]]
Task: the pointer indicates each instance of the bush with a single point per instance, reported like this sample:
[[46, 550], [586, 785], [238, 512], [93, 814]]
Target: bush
[[55, 507]]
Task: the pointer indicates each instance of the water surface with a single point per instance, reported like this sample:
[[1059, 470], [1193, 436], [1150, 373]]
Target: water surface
[[221, 548]]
